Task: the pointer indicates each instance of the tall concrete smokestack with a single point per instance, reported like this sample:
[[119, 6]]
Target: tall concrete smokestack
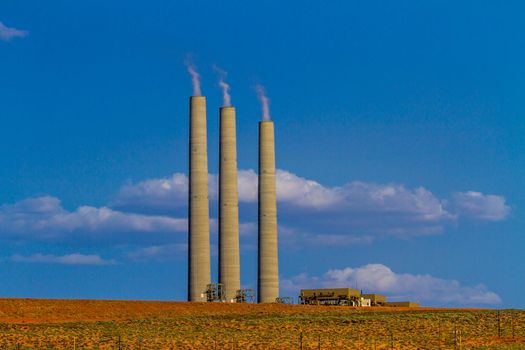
[[199, 275], [229, 261], [268, 261]]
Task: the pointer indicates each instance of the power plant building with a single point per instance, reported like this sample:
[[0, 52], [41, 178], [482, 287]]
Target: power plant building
[[200, 287], [228, 288]]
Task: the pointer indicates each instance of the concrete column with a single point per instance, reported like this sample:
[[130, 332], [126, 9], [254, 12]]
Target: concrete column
[[199, 274], [229, 261], [268, 261]]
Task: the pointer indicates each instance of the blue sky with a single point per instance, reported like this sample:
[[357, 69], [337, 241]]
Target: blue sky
[[399, 132]]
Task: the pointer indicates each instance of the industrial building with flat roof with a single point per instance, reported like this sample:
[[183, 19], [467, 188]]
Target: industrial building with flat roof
[[347, 296]]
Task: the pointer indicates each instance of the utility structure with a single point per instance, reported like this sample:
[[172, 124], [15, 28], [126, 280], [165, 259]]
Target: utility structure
[[229, 261], [214, 292], [199, 274], [245, 296], [268, 260]]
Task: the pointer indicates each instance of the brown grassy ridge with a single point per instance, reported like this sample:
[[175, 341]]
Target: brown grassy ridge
[[102, 324], [76, 310]]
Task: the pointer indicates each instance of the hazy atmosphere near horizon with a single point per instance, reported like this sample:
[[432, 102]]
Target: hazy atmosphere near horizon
[[400, 144]]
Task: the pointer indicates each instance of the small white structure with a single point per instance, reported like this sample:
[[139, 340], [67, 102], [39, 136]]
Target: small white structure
[[365, 302]]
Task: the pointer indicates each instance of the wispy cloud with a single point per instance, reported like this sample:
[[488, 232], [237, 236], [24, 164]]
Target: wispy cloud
[[158, 194], [44, 218], [70, 259], [159, 252], [7, 33], [378, 278]]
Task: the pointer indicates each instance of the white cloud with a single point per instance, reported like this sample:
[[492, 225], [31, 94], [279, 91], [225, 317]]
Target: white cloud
[[416, 204], [6, 33], [70, 259], [305, 193], [479, 206], [378, 278], [291, 189], [353, 210], [172, 192], [247, 185], [355, 213], [168, 193], [355, 196], [46, 218]]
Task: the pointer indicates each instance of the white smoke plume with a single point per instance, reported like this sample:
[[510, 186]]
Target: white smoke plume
[[195, 77], [225, 87], [265, 101]]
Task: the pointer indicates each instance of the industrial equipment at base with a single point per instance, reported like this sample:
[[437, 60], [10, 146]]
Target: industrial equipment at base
[[215, 292], [245, 296], [284, 300], [324, 296]]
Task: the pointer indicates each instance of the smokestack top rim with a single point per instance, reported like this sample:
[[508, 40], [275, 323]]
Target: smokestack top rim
[[265, 121], [197, 97], [227, 107]]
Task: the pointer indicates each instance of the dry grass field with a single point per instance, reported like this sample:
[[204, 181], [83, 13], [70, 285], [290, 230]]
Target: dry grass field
[[91, 324]]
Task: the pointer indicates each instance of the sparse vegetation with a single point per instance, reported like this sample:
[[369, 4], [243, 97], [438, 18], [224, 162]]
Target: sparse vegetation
[[69, 324]]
